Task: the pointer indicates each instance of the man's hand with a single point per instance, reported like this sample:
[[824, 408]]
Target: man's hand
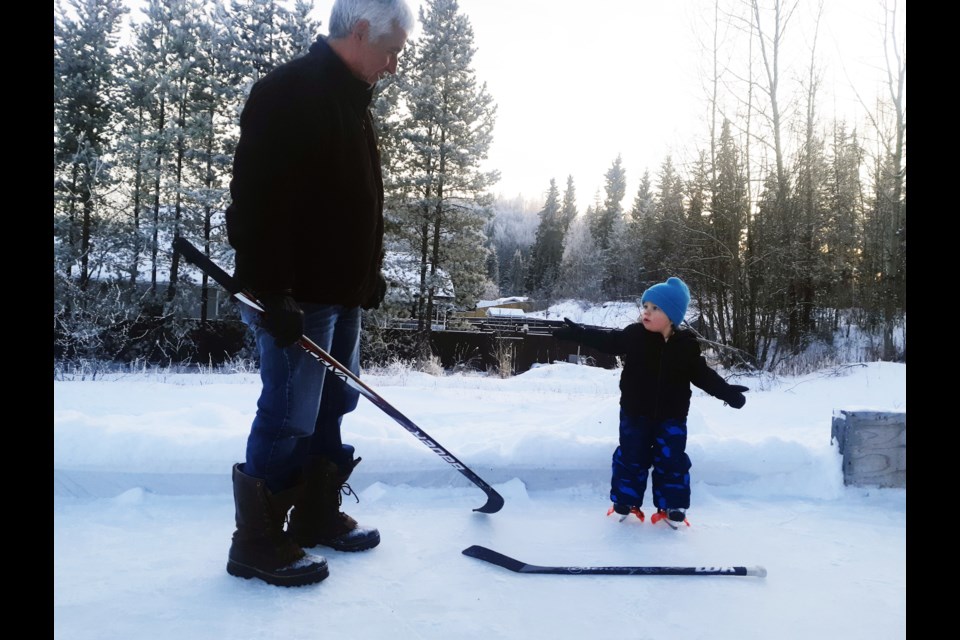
[[282, 318], [377, 295]]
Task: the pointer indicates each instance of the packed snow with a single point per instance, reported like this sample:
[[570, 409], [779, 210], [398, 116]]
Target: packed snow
[[143, 513]]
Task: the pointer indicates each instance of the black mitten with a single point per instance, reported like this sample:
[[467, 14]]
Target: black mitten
[[734, 395], [377, 294], [572, 331], [282, 318]]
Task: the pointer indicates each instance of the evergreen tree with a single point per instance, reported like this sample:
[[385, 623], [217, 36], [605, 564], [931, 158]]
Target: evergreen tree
[[518, 273], [512, 231], [548, 246], [643, 202], [606, 222], [662, 231], [265, 33], [157, 53], [723, 252], [579, 276], [603, 221], [134, 157], [843, 233], [84, 91], [210, 133], [446, 135], [633, 241], [568, 210]]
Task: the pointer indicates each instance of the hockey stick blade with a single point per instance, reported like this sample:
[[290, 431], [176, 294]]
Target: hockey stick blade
[[494, 557], [194, 256]]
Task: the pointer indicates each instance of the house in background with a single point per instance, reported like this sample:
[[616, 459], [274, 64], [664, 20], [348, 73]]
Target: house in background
[[402, 272], [512, 307]]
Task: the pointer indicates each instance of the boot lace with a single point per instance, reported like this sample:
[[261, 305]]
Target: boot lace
[[346, 490]]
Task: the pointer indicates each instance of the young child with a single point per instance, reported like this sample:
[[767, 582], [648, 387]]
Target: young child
[[661, 361]]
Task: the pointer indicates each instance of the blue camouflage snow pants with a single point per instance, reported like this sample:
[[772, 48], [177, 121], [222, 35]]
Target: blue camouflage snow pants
[[645, 443]]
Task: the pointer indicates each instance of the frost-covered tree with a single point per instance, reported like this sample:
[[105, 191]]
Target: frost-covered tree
[[266, 33], [603, 222], [210, 133], [512, 231], [85, 35], [606, 222], [548, 247], [843, 233], [662, 230], [446, 132], [568, 210], [579, 276]]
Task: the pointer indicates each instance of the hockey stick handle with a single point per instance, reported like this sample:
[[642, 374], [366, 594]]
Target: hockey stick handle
[[209, 267], [192, 254]]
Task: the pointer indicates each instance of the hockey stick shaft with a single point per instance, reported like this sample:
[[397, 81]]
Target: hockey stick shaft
[[494, 557], [192, 254]]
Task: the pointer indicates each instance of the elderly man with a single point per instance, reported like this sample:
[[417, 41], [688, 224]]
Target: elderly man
[[306, 221]]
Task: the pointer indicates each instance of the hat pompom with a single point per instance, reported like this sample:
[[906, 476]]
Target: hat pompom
[[673, 296]]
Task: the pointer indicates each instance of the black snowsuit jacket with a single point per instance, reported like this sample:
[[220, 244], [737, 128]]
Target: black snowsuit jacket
[[657, 373], [307, 212]]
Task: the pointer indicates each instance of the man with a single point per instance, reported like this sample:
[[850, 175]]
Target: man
[[306, 222]]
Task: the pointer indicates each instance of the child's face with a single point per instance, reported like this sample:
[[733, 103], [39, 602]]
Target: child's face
[[654, 319]]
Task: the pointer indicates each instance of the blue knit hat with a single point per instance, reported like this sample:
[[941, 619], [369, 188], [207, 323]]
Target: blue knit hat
[[672, 296]]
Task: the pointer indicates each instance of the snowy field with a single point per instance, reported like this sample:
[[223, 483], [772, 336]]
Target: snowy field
[[143, 513]]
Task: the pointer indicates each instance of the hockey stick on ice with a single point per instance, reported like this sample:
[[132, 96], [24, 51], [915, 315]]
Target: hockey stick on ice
[[493, 557], [192, 254]]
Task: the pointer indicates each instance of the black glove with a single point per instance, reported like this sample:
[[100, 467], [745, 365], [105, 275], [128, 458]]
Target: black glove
[[282, 318], [376, 295], [572, 331], [733, 396]]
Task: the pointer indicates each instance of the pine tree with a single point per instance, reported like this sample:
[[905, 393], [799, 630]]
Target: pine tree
[[446, 135], [843, 237], [84, 90], [210, 132], [264, 34], [512, 231], [604, 219], [568, 210], [662, 231], [156, 54], [637, 222], [547, 250], [729, 207], [579, 277]]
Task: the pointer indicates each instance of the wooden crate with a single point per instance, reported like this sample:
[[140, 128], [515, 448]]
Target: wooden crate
[[874, 447]]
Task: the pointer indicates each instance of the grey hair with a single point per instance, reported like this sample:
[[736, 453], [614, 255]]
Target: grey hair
[[380, 14]]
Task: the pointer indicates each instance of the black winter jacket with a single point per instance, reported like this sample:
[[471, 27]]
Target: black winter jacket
[[307, 211], [657, 373]]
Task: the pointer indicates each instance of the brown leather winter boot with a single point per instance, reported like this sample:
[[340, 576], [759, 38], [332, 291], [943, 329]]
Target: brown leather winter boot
[[261, 548], [316, 519]]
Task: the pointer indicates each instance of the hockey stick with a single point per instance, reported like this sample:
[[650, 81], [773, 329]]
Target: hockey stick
[[192, 254], [489, 555]]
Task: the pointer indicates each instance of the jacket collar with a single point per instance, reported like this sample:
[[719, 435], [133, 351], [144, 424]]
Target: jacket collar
[[360, 92]]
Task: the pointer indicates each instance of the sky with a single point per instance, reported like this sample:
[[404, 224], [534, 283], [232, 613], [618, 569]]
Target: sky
[[578, 83], [143, 512]]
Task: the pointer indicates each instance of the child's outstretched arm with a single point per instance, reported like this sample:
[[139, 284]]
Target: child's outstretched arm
[[711, 382], [734, 395], [606, 340], [569, 331]]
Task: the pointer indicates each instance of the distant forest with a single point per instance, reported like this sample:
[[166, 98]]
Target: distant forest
[[789, 227]]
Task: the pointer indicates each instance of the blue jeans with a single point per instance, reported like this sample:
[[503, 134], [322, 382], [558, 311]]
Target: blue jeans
[[645, 443], [300, 408]]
